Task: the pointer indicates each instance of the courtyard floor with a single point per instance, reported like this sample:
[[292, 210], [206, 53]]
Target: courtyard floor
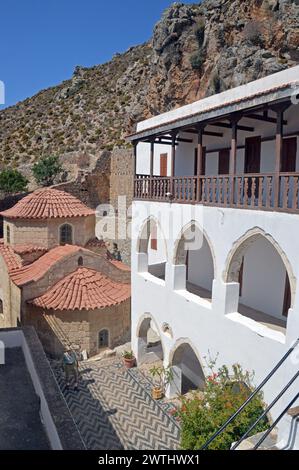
[[113, 409]]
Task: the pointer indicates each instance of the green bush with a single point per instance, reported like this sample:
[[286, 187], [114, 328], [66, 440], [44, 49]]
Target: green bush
[[12, 181], [202, 416], [197, 60], [46, 170]]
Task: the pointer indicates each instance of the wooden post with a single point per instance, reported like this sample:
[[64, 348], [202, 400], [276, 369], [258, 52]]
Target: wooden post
[[279, 109], [233, 156], [135, 158], [199, 161], [152, 153], [173, 141]]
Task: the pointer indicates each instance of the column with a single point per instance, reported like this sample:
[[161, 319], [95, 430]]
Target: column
[[173, 151], [233, 156], [199, 161]]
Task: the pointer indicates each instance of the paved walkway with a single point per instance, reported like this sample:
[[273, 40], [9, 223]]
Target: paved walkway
[[113, 411]]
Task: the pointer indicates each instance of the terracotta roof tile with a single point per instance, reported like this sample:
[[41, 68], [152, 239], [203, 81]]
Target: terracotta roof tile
[[84, 289], [47, 203], [95, 242], [35, 270], [12, 260], [26, 249]]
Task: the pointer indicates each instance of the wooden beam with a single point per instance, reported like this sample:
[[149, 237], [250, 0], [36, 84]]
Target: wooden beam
[[264, 118], [210, 133], [229, 126], [179, 139]]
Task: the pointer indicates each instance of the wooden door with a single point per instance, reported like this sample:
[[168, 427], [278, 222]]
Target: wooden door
[[154, 238], [252, 161], [223, 162], [252, 155], [289, 154], [163, 164]]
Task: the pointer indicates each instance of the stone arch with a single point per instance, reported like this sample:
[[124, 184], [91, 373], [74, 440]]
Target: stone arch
[[194, 261], [146, 354], [236, 254], [145, 232], [179, 248], [188, 371]]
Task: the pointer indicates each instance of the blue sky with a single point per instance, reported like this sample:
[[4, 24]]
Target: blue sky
[[41, 41]]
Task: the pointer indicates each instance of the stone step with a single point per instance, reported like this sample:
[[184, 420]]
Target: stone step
[[268, 444]]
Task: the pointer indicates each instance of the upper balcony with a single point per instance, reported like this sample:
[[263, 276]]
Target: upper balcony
[[238, 149]]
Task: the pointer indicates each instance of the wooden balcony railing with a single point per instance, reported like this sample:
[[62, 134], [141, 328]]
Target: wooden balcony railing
[[250, 191]]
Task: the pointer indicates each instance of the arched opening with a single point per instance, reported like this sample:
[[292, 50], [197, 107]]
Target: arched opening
[[103, 339], [266, 282], [66, 234], [194, 252], [150, 347], [80, 261], [188, 373], [1, 306], [152, 244]]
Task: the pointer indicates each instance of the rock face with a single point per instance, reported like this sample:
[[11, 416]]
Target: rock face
[[196, 50]]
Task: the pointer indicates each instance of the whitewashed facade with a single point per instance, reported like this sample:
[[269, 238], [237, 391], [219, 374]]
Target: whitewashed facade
[[227, 169]]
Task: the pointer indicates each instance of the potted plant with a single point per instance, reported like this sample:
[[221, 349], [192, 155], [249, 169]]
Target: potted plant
[[129, 359], [162, 377]]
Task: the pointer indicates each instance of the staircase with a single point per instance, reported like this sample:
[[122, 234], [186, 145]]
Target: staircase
[[288, 419]]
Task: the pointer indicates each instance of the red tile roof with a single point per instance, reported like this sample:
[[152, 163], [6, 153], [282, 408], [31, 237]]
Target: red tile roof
[[35, 270], [27, 249], [95, 242], [47, 203], [84, 289], [12, 260]]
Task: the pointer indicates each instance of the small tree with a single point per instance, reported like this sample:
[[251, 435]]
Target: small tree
[[12, 181], [202, 416], [46, 170]]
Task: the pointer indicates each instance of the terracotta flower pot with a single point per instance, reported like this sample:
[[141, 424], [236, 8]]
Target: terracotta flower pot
[[157, 393], [129, 363]]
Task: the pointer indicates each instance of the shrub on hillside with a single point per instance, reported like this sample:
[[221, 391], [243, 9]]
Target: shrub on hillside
[[197, 60], [12, 181], [201, 416], [46, 170]]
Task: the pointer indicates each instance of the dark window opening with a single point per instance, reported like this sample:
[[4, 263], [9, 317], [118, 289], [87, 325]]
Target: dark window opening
[[103, 339], [66, 235]]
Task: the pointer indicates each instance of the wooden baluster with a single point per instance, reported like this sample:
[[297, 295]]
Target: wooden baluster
[[245, 201], [295, 193], [226, 186], [221, 188], [253, 187], [203, 189], [269, 191], [239, 190], [260, 195], [285, 195], [214, 191]]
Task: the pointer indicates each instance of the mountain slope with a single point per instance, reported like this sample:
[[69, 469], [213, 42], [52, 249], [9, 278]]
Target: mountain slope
[[195, 50]]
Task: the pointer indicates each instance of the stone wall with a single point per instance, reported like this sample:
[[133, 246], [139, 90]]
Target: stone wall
[[121, 185], [45, 233], [57, 329]]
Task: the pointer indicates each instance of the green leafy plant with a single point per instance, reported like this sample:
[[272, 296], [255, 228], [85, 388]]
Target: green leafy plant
[[128, 355], [162, 376], [201, 416], [46, 170], [12, 181]]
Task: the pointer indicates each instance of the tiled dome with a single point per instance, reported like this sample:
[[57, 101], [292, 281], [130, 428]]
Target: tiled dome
[[84, 289], [47, 203]]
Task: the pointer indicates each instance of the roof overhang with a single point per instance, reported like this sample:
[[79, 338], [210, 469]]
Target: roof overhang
[[222, 110]]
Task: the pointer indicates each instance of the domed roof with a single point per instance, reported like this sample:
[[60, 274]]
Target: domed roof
[[48, 203], [84, 289]]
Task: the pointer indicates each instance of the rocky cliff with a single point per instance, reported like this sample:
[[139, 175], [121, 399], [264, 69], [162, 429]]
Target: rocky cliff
[[195, 50]]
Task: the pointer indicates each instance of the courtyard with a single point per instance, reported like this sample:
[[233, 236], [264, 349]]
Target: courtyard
[[113, 409]]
